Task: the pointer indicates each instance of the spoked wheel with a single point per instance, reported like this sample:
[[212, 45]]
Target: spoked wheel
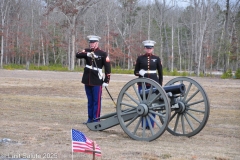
[[190, 114], [146, 106]]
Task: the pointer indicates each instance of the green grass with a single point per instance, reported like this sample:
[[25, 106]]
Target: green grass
[[49, 68], [13, 66], [227, 75], [237, 74], [118, 70], [56, 67]]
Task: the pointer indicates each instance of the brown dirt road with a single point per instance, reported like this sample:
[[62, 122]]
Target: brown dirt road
[[39, 108]]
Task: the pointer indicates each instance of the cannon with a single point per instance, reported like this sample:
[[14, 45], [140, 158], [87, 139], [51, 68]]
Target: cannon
[[181, 107]]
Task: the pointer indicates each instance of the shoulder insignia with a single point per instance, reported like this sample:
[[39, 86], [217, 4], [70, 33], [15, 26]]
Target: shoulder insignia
[[107, 59]]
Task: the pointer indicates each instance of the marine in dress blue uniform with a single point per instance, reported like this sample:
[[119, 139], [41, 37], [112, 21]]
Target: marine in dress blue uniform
[[149, 65], [92, 77]]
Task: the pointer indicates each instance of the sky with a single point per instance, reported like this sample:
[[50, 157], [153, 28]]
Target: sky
[[185, 3]]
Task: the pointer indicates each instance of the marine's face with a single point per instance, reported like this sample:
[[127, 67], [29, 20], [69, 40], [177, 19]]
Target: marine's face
[[148, 50], [93, 45]]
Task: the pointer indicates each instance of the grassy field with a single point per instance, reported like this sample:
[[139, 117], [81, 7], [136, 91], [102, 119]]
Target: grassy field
[[39, 108]]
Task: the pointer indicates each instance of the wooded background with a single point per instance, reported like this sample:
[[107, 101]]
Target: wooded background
[[197, 35]]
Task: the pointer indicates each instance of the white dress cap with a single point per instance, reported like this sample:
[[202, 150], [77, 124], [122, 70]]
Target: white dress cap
[[148, 43], [93, 38]]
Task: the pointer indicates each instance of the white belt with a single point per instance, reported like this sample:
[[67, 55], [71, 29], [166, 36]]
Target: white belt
[[150, 71], [96, 69]]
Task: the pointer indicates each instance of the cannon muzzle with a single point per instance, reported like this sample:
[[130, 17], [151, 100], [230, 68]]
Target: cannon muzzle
[[175, 89]]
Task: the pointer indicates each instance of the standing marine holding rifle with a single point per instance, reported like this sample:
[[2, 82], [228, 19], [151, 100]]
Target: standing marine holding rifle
[[149, 65], [92, 78]]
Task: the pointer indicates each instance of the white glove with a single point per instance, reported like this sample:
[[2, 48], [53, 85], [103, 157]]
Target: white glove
[[104, 84], [91, 54], [142, 72], [100, 75]]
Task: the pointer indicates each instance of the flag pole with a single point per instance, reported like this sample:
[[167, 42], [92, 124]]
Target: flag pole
[[72, 145], [93, 149], [72, 155]]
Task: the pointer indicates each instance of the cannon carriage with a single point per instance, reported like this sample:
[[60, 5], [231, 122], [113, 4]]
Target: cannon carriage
[[181, 107]]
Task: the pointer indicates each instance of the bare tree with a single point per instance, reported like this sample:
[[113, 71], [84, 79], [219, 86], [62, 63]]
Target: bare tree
[[71, 9], [164, 9], [226, 34], [128, 14], [4, 7], [195, 37]]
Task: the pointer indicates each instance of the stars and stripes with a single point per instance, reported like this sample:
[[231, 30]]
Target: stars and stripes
[[80, 143]]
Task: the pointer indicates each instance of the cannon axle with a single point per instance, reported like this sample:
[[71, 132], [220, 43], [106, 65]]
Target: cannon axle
[[179, 107], [142, 110]]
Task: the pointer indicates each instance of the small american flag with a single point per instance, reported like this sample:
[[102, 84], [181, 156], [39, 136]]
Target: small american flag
[[80, 143]]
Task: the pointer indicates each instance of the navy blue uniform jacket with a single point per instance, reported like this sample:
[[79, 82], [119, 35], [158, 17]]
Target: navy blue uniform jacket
[[90, 76], [149, 62]]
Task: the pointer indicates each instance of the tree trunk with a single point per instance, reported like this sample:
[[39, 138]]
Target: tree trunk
[[31, 39], [238, 59], [219, 49], [3, 10], [108, 35], [69, 53], [187, 57], [47, 44], [226, 38], [39, 50], [161, 44], [17, 39], [43, 52], [172, 57], [53, 46], [6, 44], [191, 56], [168, 51], [179, 52], [73, 52], [2, 43]]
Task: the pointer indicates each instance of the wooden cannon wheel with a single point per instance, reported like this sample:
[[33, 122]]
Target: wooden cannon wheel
[[191, 113], [143, 106]]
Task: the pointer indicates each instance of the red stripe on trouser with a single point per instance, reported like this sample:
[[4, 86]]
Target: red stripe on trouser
[[99, 102]]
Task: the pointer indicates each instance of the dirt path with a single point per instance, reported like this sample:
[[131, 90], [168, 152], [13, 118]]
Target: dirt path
[[39, 108]]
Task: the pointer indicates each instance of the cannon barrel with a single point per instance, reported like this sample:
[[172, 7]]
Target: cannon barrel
[[175, 89]]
